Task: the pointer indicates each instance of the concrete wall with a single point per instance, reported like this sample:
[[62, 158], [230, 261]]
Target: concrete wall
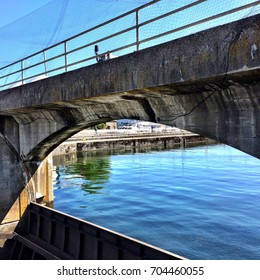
[[40, 185], [207, 83]]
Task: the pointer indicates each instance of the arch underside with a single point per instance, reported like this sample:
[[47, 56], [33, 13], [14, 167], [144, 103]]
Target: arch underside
[[229, 114]]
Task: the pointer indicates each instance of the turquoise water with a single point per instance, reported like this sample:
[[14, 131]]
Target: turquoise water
[[201, 202]]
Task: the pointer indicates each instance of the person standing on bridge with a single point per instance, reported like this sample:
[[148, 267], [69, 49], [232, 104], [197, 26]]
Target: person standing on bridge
[[101, 58]]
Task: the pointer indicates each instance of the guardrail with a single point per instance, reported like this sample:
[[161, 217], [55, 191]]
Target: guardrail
[[78, 51]]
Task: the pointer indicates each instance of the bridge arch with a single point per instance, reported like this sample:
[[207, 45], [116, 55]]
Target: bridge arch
[[210, 113], [210, 87]]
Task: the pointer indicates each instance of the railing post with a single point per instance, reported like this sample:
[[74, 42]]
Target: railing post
[[45, 65], [137, 29], [65, 56], [22, 72]]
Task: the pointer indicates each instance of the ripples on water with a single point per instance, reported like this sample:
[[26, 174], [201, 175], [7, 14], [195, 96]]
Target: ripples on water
[[201, 203]]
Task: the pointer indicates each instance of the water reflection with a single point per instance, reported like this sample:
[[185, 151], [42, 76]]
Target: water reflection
[[92, 171]]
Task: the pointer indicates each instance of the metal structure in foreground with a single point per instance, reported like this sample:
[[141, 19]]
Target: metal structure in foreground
[[44, 233]]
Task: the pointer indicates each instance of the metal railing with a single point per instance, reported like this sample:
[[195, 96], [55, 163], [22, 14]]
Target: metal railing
[[72, 54]]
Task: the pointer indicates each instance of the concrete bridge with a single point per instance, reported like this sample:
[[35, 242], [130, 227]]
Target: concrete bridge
[[207, 83]]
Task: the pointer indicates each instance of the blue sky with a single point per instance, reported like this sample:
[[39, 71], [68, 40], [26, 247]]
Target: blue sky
[[27, 26], [11, 10]]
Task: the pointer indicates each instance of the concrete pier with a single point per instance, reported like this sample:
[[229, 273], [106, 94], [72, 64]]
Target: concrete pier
[[40, 184], [89, 140]]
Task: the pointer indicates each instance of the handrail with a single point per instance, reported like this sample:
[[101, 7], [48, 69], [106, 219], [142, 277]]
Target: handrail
[[20, 76]]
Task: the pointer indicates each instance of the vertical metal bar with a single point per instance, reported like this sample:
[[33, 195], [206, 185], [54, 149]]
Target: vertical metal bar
[[65, 56], [45, 65], [137, 29], [22, 71]]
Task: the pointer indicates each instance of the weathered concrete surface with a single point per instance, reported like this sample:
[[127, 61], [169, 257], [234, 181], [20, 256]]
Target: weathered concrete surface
[[207, 83], [39, 188]]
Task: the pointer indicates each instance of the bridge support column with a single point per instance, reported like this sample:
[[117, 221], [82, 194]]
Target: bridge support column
[[40, 187], [21, 181]]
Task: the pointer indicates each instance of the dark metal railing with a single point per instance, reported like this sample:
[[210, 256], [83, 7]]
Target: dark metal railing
[[56, 59]]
